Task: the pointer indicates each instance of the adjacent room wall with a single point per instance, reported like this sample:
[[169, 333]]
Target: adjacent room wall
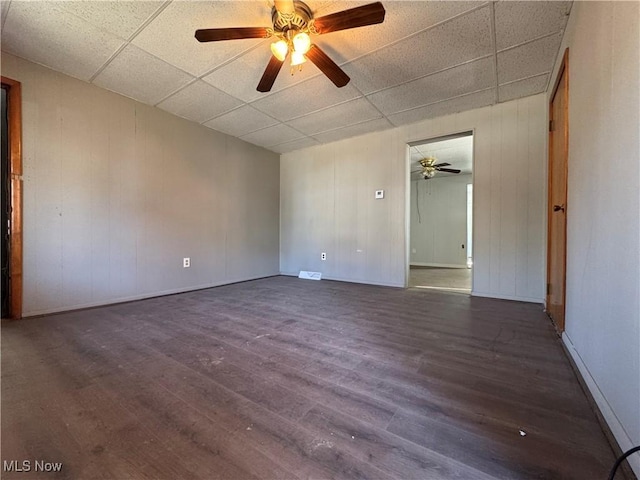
[[328, 204], [116, 193], [439, 221], [603, 210]]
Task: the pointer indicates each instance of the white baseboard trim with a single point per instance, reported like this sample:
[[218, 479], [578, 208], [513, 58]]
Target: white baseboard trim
[[133, 298], [616, 427], [506, 297], [438, 265]]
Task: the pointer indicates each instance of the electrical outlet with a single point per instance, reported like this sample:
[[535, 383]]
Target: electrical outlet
[[186, 262], [323, 256], [413, 250], [379, 194]]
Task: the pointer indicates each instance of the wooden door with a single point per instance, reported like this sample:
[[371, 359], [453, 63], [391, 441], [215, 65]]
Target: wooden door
[[557, 212]]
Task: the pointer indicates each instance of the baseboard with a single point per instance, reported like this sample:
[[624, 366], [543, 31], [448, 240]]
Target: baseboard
[[516, 298], [438, 265], [614, 430], [144, 296]]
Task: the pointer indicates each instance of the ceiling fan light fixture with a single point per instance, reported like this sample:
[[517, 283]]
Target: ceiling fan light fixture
[[280, 49], [301, 42], [297, 58]]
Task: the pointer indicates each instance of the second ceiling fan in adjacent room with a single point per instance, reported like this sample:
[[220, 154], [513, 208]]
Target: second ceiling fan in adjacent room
[[293, 23], [430, 168]]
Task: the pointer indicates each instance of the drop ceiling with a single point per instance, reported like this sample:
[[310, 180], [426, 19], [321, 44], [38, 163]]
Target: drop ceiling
[[428, 58]]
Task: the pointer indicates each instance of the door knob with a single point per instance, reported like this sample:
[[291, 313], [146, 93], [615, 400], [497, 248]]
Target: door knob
[[557, 208]]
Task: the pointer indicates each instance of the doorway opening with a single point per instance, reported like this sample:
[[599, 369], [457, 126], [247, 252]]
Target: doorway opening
[[11, 193], [441, 213]]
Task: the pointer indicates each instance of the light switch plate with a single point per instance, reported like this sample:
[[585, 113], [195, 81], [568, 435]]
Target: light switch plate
[[379, 193]]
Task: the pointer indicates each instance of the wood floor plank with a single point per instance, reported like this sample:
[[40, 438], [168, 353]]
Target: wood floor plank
[[286, 378], [513, 452], [386, 451]]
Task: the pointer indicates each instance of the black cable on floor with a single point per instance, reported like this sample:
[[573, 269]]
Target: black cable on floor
[[621, 459]]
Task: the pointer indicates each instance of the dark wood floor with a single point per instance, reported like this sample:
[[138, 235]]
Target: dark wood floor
[[284, 378]]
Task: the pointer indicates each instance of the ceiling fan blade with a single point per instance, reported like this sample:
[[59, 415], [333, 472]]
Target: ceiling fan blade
[[448, 170], [270, 74], [443, 164], [354, 17], [327, 66], [236, 33], [284, 6]]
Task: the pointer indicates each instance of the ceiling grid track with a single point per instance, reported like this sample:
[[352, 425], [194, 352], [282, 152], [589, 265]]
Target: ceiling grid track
[[6, 14], [151, 18], [494, 47]]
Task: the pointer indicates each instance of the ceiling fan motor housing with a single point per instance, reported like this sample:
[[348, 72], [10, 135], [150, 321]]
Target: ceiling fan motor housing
[[299, 20]]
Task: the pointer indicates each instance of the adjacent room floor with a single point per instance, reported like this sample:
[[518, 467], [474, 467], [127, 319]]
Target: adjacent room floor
[[283, 378], [455, 279]]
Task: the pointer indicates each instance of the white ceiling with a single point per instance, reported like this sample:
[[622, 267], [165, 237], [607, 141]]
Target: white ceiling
[[428, 58], [456, 151]]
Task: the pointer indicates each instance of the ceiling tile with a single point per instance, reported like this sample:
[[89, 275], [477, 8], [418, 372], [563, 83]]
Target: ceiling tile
[[348, 113], [121, 18], [354, 130], [401, 20], [240, 77], [523, 88], [141, 76], [462, 39], [199, 102], [456, 81], [44, 33], [454, 105], [275, 135], [306, 97], [241, 121], [528, 60], [519, 22], [295, 145], [183, 18]]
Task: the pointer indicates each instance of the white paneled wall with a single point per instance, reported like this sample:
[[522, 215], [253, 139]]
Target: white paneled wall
[[603, 210], [116, 193], [328, 205], [439, 221]]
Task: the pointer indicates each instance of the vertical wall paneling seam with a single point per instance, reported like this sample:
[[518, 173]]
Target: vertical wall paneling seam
[[226, 214], [60, 159]]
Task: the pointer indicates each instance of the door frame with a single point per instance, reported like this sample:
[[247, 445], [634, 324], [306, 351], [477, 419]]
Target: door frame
[[564, 69], [407, 217], [14, 123]]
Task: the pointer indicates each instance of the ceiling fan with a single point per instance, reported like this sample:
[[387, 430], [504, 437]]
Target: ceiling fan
[[430, 167], [292, 23]]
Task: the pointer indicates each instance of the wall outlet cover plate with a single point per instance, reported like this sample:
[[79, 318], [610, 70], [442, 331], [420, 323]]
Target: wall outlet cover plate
[[379, 193]]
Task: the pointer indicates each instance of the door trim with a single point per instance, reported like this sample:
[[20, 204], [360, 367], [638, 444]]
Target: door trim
[[14, 109], [564, 69]]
